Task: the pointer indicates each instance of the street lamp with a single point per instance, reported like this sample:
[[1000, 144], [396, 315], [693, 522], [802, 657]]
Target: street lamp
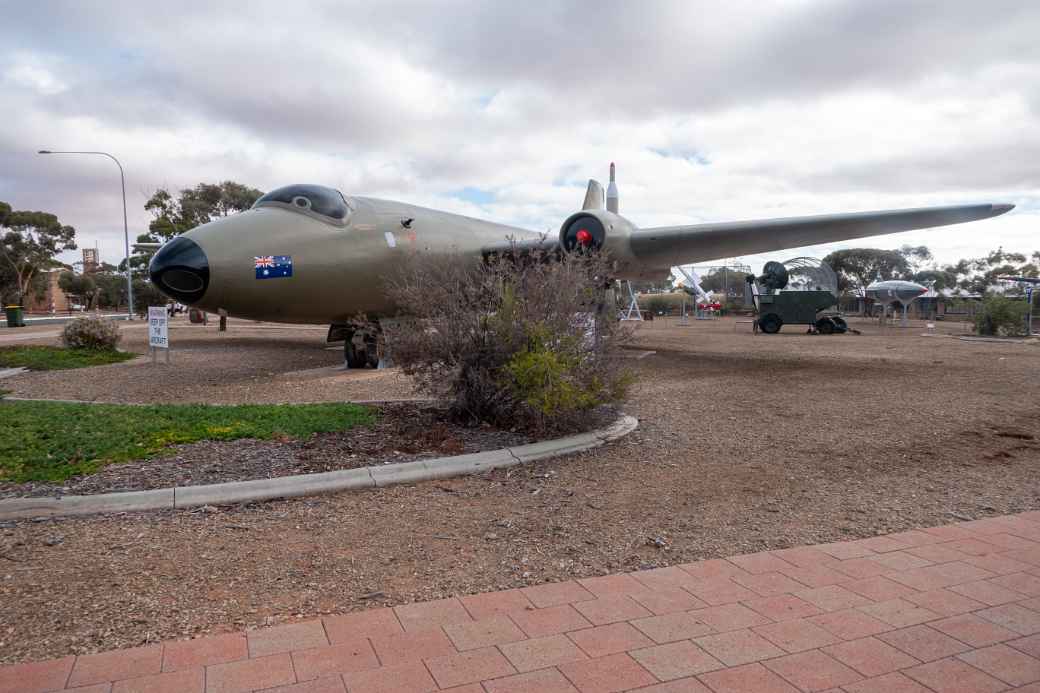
[[126, 232]]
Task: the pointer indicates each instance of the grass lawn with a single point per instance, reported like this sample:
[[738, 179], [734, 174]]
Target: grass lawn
[[52, 441], [50, 358]]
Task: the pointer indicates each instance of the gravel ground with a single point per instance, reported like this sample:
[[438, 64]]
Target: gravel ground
[[403, 433], [745, 443], [251, 362]]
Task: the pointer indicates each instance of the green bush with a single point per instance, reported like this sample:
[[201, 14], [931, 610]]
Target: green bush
[[91, 333], [547, 375], [1001, 316], [516, 341]]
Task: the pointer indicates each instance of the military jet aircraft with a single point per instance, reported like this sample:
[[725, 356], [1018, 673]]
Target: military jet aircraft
[[895, 291], [310, 254]]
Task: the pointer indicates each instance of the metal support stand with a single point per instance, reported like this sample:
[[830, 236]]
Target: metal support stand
[[633, 312]]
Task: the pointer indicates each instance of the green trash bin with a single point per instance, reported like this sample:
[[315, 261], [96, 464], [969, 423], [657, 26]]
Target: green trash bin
[[14, 316]]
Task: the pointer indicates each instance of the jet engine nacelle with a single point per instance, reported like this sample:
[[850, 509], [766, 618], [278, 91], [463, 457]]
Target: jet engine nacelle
[[597, 229]]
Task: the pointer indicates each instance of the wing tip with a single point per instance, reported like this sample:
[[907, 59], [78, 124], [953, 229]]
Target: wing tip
[[1002, 208]]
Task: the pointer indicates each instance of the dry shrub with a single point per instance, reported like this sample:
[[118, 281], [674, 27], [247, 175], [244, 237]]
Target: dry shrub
[[516, 340], [91, 333]]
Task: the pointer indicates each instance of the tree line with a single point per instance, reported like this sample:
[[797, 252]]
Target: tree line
[[858, 267]]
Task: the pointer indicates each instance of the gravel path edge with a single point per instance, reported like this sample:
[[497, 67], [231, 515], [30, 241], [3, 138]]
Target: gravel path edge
[[312, 484]]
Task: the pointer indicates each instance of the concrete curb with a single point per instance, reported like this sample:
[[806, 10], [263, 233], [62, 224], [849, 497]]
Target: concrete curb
[[312, 484]]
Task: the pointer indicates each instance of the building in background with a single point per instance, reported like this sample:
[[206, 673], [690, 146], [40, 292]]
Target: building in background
[[91, 261]]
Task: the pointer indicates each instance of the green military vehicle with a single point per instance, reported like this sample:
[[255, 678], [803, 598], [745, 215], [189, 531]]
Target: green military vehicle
[[808, 306]]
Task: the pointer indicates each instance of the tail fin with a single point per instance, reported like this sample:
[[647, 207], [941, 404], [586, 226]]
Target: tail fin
[[593, 196]]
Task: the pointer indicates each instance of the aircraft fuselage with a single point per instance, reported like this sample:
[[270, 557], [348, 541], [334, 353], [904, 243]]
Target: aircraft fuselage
[[332, 266]]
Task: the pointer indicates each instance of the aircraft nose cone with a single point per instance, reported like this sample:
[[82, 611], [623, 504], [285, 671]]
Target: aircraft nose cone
[[180, 270]]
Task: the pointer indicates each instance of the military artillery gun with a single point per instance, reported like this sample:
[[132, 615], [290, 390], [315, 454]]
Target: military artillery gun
[[817, 291]]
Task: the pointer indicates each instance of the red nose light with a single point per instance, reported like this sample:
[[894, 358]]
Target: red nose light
[[584, 237]]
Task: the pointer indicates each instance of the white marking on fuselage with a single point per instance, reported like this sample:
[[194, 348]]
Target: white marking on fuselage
[[390, 240]]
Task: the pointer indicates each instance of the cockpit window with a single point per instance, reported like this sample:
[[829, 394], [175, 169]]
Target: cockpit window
[[313, 199]]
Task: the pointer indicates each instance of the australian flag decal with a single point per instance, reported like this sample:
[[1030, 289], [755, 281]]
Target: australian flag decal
[[273, 266]]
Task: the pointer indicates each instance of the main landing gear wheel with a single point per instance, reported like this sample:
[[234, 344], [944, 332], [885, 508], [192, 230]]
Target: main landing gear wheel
[[825, 326], [770, 324], [360, 349]]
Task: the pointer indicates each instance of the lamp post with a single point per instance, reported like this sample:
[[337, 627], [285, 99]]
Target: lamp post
[[126, 232]]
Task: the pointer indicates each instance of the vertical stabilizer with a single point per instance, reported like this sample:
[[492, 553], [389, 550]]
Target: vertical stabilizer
[[593, 196], [612, 194]]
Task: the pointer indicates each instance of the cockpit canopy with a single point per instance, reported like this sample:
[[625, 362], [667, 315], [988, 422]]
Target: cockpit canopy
[[317, 200]]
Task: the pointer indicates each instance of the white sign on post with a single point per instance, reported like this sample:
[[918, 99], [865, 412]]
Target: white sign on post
[[158, 330]]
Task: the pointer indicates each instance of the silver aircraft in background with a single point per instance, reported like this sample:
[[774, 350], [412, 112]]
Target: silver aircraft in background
[[895, 291], [310, 254]]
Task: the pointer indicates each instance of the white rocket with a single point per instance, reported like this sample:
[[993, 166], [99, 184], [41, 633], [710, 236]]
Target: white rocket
[[612, 196]]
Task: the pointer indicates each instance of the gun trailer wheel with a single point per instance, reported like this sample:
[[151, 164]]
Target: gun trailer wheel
[[770, 324]]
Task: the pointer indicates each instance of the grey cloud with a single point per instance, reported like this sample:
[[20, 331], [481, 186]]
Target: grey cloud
[[281, 76]]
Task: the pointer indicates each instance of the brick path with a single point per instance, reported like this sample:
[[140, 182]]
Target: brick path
[[947, 609]]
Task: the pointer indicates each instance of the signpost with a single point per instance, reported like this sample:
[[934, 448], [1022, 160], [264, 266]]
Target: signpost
[[1029, 312], [158, 331]]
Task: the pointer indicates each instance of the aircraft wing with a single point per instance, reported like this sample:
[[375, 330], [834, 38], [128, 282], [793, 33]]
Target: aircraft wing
[[667, 246]]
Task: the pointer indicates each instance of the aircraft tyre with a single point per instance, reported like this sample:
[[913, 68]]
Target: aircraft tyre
[[355, 358], [771, 323], [840, 324], [825, 326], [359, 349]]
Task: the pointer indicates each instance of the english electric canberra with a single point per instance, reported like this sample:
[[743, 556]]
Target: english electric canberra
[[310, 254]]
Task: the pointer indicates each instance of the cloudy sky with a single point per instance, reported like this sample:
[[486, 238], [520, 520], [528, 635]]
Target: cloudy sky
[[712, 110]]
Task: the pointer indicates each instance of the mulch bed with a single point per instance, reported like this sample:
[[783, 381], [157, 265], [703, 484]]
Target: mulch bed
[[404, 432]]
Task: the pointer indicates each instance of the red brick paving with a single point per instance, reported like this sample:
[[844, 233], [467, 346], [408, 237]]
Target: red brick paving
[[497, 630], [187, 681], [813, 671], [334, 659], [952, 609], [295, 636], [870, 656], [606, 640], [250, 674], [668, 600], [191, 654], [552, 620], [539, 653]]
